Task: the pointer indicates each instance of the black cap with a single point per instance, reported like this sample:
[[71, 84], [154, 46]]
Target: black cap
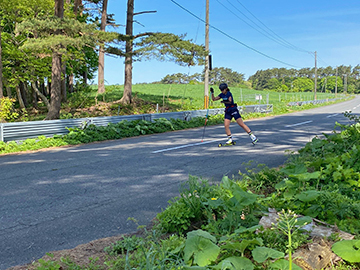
[[223, 86]]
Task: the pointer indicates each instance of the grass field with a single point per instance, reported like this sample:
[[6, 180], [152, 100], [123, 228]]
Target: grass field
[[151, 98], [188, 96]]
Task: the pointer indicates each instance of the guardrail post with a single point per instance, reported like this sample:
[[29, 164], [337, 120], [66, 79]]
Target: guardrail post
[[1, 132]]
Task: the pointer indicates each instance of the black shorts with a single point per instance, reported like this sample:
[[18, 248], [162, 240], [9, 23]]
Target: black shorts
[[232, 112]]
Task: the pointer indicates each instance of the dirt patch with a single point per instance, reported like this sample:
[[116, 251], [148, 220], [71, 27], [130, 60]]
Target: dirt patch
[[83, 254]]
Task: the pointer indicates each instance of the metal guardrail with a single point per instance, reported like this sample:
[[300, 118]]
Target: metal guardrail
[[299, 103], [33, 129]]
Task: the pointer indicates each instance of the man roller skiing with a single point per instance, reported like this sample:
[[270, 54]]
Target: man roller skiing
[[231, 111]]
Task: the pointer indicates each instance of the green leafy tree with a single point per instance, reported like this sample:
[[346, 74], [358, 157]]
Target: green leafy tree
[[305, 72], [260, 79], [219, 75], [60, 37], [17, 63], [178, 78], [274, 84], [329, 84], [303, 85], [164, 47]]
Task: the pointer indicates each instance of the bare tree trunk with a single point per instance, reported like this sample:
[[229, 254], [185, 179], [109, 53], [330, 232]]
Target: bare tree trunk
[[77, 6], [8, 92], [101, 80], [126, 99], [24, 94], [71, 83], [34, 98], [20, 99], [48, 88], [1, 69], [85, 77], [63, 82], [8, 89], [55, 97], [43, 98]]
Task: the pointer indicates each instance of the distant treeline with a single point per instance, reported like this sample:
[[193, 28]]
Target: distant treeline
[[329, 79], [216, 76]]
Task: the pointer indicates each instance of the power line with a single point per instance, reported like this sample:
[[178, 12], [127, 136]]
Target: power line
[[260, 29], [279, 37], [323, 61], [227, 35]]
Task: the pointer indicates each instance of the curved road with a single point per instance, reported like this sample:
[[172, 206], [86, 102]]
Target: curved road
[[60, 198]]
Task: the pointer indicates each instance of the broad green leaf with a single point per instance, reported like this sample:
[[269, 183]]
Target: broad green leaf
[[286, 183], [226, 182], [294, 169], [235, 263], [303, 221], [283, 264], [348, 250], [244, 198], [242, 245], [261, 254], [245, 243], [307, 176], [206, 252], [200, 247], [201, 233], [290, 193], [308, 196], [313, 211]]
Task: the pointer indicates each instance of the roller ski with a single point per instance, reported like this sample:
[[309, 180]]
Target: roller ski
[[228, 143]]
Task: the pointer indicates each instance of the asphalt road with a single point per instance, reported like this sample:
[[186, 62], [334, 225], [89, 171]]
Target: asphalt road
[[60, 198]]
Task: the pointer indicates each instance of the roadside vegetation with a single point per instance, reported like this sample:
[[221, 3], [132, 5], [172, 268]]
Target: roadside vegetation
[[216, 225]]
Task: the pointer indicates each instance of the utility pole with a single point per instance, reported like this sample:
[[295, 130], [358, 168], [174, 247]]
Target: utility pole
[[315, 76], [206, 79], [336, 82]]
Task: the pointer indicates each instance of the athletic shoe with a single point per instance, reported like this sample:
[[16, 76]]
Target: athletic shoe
[[253, 138]]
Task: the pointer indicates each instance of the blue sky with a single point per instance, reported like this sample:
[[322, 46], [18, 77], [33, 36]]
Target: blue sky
[[330, 27]]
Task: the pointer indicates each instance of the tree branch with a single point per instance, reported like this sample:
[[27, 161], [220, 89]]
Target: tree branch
[[144, 34], [142, 12]]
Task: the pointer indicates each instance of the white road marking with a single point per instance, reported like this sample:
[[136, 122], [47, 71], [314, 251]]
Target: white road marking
[[184, 146], [298, 124], [332, 115]]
